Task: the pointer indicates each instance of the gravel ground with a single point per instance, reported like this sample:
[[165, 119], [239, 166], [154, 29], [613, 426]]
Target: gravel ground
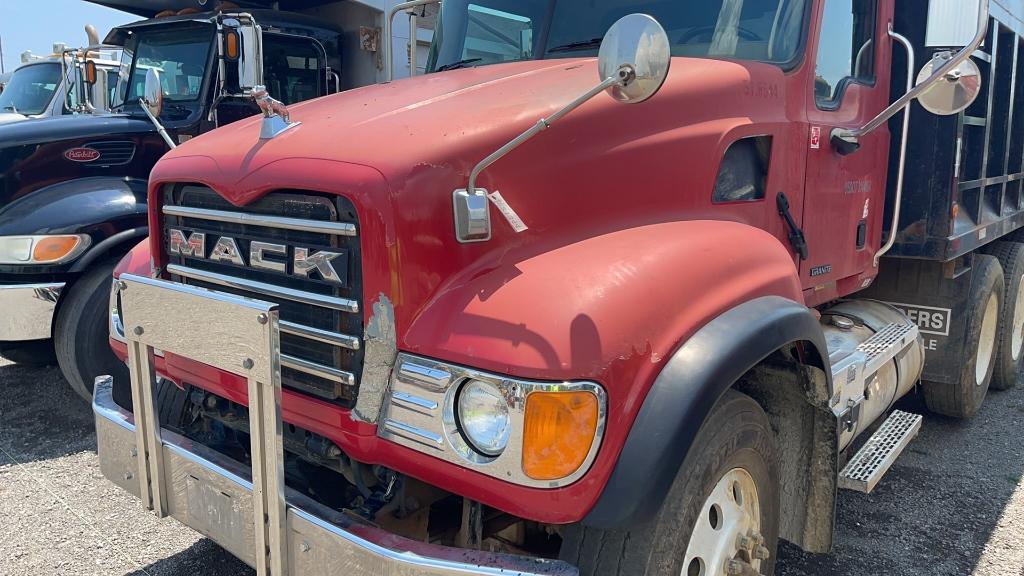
[[953, 505]]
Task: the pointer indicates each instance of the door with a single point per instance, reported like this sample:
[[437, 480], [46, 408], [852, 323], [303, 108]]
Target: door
[[844, 195]]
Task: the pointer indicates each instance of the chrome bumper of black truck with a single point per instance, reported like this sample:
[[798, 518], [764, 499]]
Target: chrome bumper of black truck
[[29, 310], [248, 511]]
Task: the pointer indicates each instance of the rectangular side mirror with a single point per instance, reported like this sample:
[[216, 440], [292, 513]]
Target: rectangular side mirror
[[241, 47], [250, 65], [952, 23]]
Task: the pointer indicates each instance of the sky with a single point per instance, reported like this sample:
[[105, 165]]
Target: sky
[[36, 24]]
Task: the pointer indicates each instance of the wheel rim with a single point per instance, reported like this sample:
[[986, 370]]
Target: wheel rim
[[1017, 335], [727, 533], [987, 340]]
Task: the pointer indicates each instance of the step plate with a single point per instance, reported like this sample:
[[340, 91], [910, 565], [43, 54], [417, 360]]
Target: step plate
[[886, 344], [874, 459]]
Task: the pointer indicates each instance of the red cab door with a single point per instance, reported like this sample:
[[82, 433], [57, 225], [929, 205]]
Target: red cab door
[[845, 195]]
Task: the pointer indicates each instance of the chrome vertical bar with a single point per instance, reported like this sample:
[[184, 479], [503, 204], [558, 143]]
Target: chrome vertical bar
[[147, 425], [267, 448]]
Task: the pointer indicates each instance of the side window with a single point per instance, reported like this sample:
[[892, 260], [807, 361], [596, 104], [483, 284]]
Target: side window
[[293, 68], [846, 52]]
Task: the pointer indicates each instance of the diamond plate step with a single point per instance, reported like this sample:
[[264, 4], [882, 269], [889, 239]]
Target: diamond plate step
[[886, 344], [866, 468]]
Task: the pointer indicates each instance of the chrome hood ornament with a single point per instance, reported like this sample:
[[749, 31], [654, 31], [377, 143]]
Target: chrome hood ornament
[[276, 118]]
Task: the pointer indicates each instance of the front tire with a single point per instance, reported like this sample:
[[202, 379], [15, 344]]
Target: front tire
[[82, 332], [720, 516]]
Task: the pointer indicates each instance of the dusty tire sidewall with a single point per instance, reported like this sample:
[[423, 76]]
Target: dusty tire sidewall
[[82, 332], [967, 395], [1008, 370], [737, 435]]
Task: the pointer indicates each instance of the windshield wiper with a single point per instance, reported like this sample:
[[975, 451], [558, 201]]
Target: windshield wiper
[[460, 64], [579, 45]]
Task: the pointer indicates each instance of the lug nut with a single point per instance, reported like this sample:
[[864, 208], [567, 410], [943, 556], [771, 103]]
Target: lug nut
[[745, 542], [734, 568], [761, 553]]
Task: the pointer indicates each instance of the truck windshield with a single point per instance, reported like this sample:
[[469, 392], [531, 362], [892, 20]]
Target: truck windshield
[[181, 55], [31, 89], [477, 32]]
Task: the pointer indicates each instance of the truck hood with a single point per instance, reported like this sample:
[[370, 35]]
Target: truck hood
[[399, 151], [32, 153], [43, 130], [450, 121]]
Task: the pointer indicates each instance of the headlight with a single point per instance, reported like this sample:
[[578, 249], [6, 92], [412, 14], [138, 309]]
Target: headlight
[[41, 249], [484, 417]]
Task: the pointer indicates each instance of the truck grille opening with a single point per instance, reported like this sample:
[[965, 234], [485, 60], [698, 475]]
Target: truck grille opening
[[321, 321]]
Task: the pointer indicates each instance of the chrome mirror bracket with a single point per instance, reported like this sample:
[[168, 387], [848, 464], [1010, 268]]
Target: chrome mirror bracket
[[472, 216], [633, 63], [940, 73]]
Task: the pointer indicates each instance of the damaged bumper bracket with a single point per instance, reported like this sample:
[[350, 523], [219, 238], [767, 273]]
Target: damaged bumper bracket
[[249, 512]]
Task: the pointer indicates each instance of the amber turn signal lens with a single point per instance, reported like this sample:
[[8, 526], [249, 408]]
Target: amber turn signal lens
[[53, 248], [558, 433], [231, 45]]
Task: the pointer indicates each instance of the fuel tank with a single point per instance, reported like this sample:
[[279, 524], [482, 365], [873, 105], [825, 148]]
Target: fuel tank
[[877, 357]]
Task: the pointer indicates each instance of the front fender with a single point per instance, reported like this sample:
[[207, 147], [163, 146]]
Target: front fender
[[684, 393], [611, 309], [111, 211]]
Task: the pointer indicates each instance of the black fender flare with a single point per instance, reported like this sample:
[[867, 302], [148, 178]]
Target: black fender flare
[[100, 206], [700, 371], [105, 248]]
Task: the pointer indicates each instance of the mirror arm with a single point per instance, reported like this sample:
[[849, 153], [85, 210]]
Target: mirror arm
[[541, 125], [389, 58], [983, 21], [159, 126]]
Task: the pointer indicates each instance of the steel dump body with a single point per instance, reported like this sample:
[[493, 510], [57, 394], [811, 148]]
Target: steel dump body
[[964, 184]]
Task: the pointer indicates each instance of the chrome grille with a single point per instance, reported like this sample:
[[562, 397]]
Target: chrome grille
[[321, 323]]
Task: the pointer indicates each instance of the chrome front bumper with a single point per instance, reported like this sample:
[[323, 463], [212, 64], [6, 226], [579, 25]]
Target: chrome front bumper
[[28, 311], [245, 509]]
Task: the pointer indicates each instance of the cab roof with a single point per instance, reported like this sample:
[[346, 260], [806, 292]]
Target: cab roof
[[266, 18], [150, 8]]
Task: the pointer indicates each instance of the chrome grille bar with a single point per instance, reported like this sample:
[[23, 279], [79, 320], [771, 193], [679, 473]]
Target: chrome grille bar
[[342, 304], [325, 372], [335, 228], [327, 337]]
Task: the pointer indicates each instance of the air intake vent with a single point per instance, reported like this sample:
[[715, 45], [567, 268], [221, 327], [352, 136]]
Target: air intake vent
[[112, 153]]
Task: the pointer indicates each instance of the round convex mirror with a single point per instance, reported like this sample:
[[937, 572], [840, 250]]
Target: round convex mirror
[[636, 49], [153, 96], [952, 93]]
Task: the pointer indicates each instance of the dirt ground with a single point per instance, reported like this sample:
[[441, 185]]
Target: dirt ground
[[953, 505]]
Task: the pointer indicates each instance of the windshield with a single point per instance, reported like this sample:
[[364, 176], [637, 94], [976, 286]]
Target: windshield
[[477, 32], [31, 89], [180, 55]]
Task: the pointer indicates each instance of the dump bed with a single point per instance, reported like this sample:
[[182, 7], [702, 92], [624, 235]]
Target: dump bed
[[964, 183]]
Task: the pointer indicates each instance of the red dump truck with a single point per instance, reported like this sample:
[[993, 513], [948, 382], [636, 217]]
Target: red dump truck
[[620, 288]]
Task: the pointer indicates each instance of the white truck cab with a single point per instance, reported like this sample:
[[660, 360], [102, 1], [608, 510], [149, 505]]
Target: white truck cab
[[44, 87]]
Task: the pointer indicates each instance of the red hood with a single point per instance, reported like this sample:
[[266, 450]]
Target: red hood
[[400, 149]]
